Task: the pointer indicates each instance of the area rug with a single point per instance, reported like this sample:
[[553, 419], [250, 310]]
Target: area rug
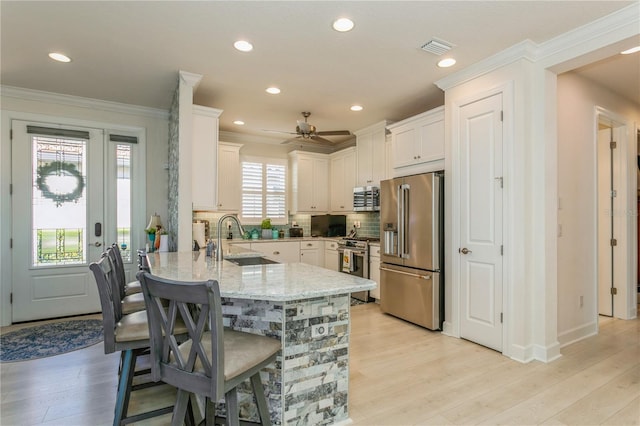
[[49, 339]]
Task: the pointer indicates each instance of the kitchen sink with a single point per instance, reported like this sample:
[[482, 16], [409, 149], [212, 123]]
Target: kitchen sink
[[246, 261]]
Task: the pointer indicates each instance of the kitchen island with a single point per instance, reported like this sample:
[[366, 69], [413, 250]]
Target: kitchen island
[[306, 307]]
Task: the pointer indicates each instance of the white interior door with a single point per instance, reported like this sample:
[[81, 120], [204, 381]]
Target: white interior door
[[58, 219], [605, 222], [481, 189]]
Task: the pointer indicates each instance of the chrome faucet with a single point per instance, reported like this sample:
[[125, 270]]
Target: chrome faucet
[[219, 246]]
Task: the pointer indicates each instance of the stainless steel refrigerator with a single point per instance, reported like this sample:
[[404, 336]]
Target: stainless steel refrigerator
[[411, 229]]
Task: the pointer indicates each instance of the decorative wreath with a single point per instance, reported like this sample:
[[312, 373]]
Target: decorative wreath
[[55, 169]]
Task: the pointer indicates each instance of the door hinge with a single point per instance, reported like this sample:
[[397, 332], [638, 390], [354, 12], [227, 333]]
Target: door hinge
[[501, 115], [10, 189], [614, 193], [614, 242], [10, 134], [501, 250], [11, 298], [10, 243], [614, 291], [613, 145], [501, 317]]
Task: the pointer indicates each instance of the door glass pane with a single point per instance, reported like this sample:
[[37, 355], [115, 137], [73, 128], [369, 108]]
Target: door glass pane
[[59, 202], [123, 197]]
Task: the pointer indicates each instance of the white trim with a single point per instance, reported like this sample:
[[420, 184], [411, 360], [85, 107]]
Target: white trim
[[207, 111], [578, 333], [76, 101]]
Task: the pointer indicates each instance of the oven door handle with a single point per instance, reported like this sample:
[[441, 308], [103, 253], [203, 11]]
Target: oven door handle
[[422, 277]]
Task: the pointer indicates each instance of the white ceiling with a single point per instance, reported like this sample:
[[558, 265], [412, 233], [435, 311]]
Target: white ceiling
[[131, 52]]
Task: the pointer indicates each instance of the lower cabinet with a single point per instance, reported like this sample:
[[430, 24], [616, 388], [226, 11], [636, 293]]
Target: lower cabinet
[[312, 253], [331, 256], [282, 252], [374, 270]]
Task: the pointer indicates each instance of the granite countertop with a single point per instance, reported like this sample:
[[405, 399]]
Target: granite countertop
[[277, 282]]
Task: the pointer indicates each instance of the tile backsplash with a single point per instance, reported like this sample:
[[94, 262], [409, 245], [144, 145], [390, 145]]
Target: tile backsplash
[[369, 224]]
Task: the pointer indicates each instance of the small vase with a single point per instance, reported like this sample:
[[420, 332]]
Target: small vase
[[267, 234], [274, 233], [152, 238]]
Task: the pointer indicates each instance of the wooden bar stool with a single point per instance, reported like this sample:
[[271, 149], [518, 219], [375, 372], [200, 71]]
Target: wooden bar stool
[[128, 334], [215, 360]]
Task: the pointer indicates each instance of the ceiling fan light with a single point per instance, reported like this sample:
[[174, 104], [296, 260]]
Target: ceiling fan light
[[243, 46], [60, 57], [356, 108], [343, 25], [239, 122], [272, 90], [630, 51]]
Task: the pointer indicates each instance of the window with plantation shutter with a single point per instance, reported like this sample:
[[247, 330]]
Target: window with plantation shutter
[[264, 191]]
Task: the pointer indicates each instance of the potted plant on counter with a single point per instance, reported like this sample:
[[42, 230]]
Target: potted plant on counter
[[266, 229]]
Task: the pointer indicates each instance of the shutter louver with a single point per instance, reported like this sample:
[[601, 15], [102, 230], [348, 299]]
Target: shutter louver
[[263, 192]]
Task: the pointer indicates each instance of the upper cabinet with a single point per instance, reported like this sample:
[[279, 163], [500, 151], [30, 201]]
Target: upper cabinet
[[343, 179], [418, 143], [229, 177], [309, 182], [204, 158], [370, 144]]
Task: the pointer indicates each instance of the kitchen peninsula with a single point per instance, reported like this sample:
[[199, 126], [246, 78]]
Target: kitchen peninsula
[[306, 307]]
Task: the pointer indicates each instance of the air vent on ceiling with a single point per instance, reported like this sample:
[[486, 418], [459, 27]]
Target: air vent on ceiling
[[437, 47]]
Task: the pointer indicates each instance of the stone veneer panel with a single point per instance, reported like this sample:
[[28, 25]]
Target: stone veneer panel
[[172, 220], [309, 382]]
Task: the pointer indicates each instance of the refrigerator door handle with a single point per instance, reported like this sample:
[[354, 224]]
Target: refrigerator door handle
[[403, 223], [399, 209], [422, 277]]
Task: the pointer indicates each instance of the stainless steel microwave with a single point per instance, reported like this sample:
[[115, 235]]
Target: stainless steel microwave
[[366, 198]]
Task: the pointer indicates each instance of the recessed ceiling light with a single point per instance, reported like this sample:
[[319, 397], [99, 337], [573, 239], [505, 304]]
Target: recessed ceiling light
[[343, 25], [446, 62], [630, 51], [273, 90], [59, 57], [243, 46], [356, 108], [239, 122]]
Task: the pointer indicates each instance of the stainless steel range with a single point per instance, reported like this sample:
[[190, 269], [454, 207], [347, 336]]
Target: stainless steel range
[[354, 260]]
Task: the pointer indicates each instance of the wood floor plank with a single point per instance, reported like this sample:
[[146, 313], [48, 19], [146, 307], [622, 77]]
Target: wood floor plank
[[400, 374]]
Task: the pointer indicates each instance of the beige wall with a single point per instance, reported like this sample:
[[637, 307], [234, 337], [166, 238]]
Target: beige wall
[[577, 100]]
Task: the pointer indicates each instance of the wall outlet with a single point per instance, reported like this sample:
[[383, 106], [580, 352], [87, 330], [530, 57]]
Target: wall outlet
[[356, 224], [319, 330]]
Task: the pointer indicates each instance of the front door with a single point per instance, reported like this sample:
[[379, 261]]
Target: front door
[[481, 221], [58, 207]]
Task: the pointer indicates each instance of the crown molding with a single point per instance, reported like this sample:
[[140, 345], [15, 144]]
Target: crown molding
[[208, 111], [616, 26], [77, 101], [190, 79], [526, 49]]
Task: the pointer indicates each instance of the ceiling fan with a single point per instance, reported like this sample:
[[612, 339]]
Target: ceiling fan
[[307, 132]]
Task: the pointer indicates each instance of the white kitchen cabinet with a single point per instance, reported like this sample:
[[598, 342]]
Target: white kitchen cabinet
[[370, 145], [331, 256], [309, 182], [343, 179], [204, 158], [229, 177], [418, 143], [281, 251], [312, 252], [374, 270]]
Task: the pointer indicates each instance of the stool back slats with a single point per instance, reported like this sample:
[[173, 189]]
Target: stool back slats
[[103, 273]]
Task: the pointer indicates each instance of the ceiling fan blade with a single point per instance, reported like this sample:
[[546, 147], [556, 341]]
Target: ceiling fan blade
[[322, 140], [279, 131], [334, 133], [298, 139]]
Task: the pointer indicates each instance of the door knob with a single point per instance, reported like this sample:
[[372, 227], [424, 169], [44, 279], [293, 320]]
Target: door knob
[[464, 250], [97, 244]]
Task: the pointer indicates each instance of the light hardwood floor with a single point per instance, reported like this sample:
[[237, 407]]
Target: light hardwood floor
[[400, 374]]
